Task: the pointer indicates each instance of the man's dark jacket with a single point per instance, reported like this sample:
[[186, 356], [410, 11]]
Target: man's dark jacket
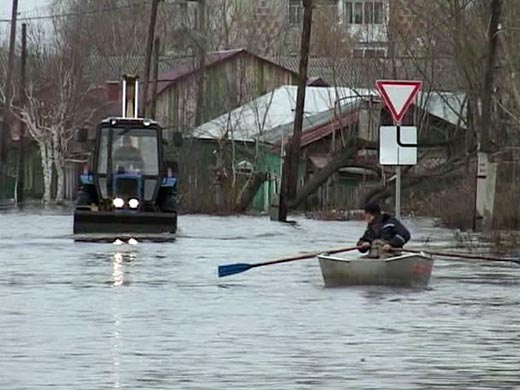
[[387, 228]]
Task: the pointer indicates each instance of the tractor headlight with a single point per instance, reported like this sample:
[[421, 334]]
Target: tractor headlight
[[133, 203], [118, 203]]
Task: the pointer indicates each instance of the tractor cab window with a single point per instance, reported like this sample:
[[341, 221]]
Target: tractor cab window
[[126, 154], [132, 151]]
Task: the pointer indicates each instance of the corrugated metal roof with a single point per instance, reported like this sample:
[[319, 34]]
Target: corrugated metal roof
[[100, 69], [269, 118], [451, 107], [188, 66], [363, 72]]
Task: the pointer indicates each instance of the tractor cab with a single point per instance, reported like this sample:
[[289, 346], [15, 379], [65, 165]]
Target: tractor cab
[[127, 164], [128, 190]]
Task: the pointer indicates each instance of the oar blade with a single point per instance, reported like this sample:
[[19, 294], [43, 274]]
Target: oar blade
[[231, 269]]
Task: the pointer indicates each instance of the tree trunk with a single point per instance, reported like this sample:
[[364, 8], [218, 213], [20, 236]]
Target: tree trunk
[[46, 161], [249, 191], [60, 182], [290, 169], [323, 174], [449, 171], [59, 164]]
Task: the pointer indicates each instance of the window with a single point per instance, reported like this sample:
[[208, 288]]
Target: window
[[369, 53], [378, 12], [364, 12], [358, 13], [245, 167], [369, 13], [295, 12], [132, 150]]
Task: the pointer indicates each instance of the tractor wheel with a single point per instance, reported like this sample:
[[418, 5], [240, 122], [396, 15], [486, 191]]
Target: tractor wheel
[[168, 202], [84, 198]]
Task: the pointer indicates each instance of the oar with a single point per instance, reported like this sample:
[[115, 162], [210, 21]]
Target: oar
[[463, 256], [231, 269]]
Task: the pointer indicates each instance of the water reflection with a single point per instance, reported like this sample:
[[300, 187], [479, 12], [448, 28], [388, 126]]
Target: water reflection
[[120, 261], [118, 275]]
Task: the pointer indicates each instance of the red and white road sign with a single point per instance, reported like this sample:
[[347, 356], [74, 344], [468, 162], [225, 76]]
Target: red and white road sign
[[398, 95]]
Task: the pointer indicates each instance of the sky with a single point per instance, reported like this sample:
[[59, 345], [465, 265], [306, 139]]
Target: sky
[[26, 8]]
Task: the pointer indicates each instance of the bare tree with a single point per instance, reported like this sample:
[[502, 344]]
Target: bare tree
[[51, 115], [57, 102]]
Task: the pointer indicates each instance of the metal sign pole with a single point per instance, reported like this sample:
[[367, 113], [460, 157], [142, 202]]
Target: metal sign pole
[[398, 181], [398, 191]]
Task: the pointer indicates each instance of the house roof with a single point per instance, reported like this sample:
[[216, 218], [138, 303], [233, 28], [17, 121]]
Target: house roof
[[363, 72], [101, 69], [191, 65], [188, 66], [448, 106], [269, 118]]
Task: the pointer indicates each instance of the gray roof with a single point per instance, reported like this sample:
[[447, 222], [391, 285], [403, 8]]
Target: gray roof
[[269, 118], [363, 72], [99, 69]]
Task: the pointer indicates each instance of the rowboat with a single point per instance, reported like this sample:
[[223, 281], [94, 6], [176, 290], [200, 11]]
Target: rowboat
[[405, 270]]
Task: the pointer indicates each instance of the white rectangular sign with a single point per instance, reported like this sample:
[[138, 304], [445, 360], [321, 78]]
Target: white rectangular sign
[[392, 151]]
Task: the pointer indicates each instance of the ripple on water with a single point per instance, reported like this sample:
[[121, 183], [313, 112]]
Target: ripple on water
[[87, 316]]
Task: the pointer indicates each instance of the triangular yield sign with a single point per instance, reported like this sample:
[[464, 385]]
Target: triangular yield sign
[[398, 95]]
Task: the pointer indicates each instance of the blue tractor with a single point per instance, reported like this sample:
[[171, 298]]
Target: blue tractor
[[129, 190]]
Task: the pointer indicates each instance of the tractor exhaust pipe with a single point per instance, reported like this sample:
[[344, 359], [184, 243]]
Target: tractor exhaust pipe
[[130, 98]]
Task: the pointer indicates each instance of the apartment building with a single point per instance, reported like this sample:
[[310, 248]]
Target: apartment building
[[365, 21], [273, 27]]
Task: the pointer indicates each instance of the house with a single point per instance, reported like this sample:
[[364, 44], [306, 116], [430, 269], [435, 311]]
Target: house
[[231, 78], [255, 134], [259, 131]]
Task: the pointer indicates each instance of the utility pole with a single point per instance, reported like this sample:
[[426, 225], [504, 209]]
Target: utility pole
[[201, 45], [20, 176], [486, 170], [489, 75], [4, 133], [148, 57], [292, 159], [156, 46]]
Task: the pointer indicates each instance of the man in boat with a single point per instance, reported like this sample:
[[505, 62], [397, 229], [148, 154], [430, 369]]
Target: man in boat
[[383, 232]]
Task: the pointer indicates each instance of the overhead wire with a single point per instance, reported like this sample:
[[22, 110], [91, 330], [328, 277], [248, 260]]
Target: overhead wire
[[68, 14]]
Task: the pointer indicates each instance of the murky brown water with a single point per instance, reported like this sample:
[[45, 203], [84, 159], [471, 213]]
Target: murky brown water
[[95, 316]]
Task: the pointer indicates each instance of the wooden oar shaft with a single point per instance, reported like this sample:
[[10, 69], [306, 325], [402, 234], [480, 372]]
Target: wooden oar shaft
[[462, 255], [303, 256]]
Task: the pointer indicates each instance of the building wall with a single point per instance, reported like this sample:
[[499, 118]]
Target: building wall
[[227, 86], [206, 182]]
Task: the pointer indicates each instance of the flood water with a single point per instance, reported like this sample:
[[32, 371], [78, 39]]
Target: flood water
[[156, 316]]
